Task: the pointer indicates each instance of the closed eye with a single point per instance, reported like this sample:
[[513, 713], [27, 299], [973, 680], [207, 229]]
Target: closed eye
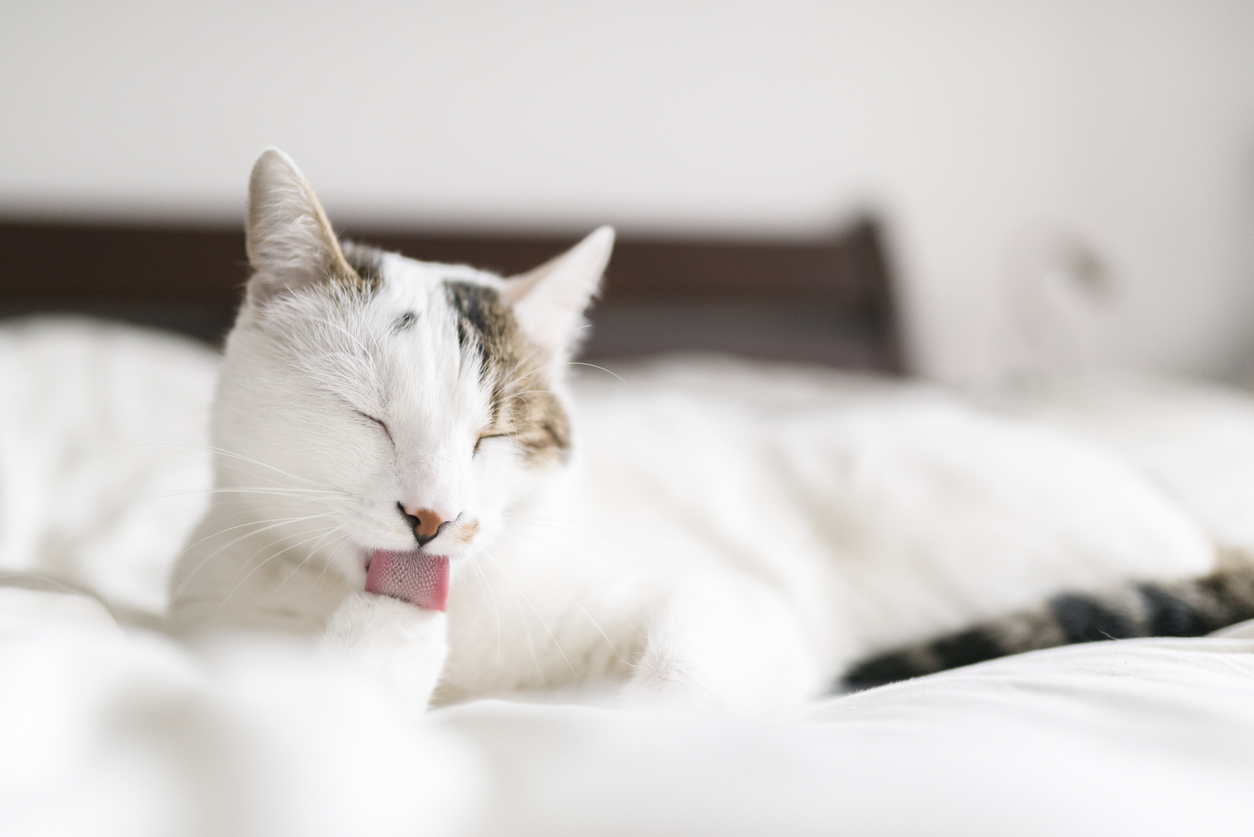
[[379, 422], [479, 441]]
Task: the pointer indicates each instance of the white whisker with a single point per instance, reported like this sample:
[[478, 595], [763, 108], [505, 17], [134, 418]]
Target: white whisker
[[267, 560], [296, 569], [523, 619], [273, 525], [323, 572], [571, 599], [594, 366], [487, 585], [190, 450], [536, 611]]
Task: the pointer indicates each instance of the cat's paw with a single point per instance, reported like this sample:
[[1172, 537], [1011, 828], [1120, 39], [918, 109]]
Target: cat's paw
[[399, 644]]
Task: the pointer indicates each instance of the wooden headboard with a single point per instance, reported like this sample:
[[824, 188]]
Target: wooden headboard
[[826, 300]]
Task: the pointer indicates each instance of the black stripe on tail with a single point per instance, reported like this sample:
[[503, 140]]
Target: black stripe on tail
[[1193, 607]]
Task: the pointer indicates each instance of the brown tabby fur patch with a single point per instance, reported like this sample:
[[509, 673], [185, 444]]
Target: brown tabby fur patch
[[513, 369]]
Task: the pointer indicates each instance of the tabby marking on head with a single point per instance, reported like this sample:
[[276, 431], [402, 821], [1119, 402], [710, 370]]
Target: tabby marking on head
[[523, 405]]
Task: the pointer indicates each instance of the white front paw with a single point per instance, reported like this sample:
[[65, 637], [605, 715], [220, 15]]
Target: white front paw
[[399, 644]]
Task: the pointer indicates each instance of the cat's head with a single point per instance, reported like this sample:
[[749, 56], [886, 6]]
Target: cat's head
[[372, 404]]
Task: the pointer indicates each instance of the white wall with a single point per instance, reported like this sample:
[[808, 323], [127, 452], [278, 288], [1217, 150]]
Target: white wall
[[977, 126]]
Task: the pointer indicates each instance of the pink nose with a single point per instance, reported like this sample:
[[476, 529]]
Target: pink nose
[[428, 522], [425, 523]]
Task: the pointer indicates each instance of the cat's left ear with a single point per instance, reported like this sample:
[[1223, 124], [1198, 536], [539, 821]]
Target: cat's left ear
[[549, 301], [289, 240]]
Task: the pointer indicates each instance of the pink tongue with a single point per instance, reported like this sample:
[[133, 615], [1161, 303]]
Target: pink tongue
[[417, 578]]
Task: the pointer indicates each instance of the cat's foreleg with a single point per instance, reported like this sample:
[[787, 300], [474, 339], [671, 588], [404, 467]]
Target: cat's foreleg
[[725, 644], [396, 643]]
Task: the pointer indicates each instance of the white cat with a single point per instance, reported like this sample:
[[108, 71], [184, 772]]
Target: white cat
[[386, 431], [379, 422]]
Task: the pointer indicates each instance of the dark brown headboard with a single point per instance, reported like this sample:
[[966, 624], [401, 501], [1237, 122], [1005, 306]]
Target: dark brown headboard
[[827, 300]]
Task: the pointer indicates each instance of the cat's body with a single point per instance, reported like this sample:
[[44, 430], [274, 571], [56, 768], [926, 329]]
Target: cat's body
[[399, 480]]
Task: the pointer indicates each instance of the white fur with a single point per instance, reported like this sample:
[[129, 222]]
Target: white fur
[[399, 644], [290, 240], [551, 319], [747, 597]]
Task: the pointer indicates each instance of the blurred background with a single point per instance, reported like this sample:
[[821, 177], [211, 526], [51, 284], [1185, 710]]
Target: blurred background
[[1051, 183]]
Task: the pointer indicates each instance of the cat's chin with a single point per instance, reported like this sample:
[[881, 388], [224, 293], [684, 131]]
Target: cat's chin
[[416, 577]]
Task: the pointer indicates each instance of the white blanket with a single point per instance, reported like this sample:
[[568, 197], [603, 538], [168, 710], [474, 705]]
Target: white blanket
[[112, 731]]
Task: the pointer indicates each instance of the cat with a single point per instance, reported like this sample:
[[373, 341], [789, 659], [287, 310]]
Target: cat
[[386, 430]]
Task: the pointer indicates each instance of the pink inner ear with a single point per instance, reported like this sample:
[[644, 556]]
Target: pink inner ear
[[414, 577]]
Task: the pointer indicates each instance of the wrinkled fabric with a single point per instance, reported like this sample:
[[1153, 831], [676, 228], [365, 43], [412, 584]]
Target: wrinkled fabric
[[108, 729]]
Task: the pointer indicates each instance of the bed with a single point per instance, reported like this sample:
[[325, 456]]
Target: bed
[[108, 728]]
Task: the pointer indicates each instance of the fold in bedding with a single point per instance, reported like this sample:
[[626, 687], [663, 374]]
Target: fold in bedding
[[111, 730]]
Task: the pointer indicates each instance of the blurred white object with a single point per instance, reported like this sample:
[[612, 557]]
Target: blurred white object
[[103, 466], [1194, 439], [112, 733], [1057, 296], [1145, 737]]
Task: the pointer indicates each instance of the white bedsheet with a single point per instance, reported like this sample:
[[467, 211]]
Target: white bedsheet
[[105, 733], [1141, 737], [111, 731]]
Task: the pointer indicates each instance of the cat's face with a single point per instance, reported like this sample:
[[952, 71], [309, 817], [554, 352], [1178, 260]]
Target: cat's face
[[375, 405]]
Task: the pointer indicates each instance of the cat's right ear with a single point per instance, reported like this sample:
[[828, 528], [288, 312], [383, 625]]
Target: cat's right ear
[[549, 301], [289, 240]]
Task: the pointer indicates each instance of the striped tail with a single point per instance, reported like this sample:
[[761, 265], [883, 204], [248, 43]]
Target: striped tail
[[1192, 607]]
